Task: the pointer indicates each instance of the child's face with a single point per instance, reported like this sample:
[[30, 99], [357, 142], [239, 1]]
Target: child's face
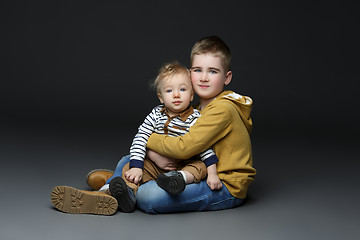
[[208, 76], [176, 93]]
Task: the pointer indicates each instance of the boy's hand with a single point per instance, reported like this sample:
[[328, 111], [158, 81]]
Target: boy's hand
[[134, 175], [213, 181]]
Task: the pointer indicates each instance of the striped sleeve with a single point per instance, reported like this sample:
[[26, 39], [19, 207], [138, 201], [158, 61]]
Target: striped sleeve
[[209, 157], [138, 146]]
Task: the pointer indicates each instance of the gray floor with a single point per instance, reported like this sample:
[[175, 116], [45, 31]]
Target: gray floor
[[306, 188]]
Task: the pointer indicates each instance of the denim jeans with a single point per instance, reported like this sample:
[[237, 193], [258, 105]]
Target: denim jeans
[[119, 168], [151, 198]]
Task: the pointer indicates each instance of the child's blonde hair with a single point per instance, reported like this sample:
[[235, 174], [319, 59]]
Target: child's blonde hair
[[168, 70], [214, 45]]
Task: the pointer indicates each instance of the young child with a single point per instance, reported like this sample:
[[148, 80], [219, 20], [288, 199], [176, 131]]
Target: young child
[[174, 118]]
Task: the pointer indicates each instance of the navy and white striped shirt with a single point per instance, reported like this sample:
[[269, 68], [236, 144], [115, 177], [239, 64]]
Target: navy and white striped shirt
[[158, 121]]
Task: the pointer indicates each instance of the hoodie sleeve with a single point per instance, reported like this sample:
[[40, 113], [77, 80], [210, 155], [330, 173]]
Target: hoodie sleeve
[[213, 125]]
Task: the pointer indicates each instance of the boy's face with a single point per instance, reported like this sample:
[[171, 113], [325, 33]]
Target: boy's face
[[176, 93], [208, 76]]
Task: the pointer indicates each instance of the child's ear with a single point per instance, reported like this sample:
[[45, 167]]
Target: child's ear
[[228, 77], [160, 98]]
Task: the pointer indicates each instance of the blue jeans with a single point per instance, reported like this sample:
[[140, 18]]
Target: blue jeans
[[151, 198], [119, 168]]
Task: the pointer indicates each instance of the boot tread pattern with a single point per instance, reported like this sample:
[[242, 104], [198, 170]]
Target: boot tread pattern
[[71, 200]]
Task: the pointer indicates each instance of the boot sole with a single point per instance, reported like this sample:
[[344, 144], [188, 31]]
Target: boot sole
[[119, 191], [71, 200]]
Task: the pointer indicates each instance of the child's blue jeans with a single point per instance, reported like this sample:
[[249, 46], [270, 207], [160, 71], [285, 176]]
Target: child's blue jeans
[[151, 198]]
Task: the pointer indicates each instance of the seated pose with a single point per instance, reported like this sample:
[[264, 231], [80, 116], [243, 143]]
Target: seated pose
[[173, 117], [225, 125]]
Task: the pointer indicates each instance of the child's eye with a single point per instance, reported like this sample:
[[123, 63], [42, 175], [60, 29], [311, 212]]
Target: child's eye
[[196, 70], [182, 89], [168, 91], [212, 71]]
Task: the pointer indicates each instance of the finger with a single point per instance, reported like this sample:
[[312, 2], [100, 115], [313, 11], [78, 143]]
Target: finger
[[132, 178], [127, 176], [137, 179]]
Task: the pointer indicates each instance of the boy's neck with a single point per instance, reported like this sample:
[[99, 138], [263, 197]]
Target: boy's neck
[[205, 102]]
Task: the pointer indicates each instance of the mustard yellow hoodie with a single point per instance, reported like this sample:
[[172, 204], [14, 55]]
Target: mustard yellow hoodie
[[224, 125]]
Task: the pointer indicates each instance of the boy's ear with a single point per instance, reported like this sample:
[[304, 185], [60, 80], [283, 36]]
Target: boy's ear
[[228, 77], [160, 98]]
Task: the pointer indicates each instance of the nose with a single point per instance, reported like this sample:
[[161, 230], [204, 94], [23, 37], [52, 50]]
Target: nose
[[176, 94], [204, 77]]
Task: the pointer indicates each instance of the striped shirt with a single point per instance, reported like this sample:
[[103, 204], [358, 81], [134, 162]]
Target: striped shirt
[[158, 121]]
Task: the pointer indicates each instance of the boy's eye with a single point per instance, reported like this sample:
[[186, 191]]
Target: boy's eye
[[196, 70], [182, 89], [168, 91], [212, 71]]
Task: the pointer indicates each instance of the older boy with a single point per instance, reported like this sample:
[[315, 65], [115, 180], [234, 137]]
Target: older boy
[[225, 125]]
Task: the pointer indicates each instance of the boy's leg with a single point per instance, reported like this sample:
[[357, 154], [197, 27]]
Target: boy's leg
[[196, 197], [96, 179], [71, 200], [119, 168]]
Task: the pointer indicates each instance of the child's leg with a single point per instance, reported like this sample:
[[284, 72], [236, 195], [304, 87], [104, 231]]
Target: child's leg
[[174, 182], [124, 191], [195, 171], [150, 171]]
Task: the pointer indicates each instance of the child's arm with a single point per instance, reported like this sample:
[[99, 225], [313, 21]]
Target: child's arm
[[213, 180], [134, 175], [138, 146], [212, 126]]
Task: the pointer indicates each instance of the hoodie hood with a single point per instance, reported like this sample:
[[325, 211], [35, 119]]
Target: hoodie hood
[[243, 104]]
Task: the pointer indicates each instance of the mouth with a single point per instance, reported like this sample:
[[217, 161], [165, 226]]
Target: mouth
[[203, 86], [177, 102]]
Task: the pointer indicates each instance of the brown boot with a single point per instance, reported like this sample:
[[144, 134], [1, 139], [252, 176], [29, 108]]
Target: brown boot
[[97, 178], [71, 200]]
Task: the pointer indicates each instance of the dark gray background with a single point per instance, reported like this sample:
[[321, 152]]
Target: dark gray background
[[75, 85]]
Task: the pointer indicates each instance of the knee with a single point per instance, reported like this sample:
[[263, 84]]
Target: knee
[[148, 197]]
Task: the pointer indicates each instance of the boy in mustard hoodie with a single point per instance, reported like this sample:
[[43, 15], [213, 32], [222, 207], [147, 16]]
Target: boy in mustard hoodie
[[225, 126]]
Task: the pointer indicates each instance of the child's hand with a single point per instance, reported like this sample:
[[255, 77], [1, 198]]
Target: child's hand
[[213, 181], [134, 175]]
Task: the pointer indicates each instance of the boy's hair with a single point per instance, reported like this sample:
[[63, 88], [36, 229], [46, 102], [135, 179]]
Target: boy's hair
[[168, 70], [214, 45]]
